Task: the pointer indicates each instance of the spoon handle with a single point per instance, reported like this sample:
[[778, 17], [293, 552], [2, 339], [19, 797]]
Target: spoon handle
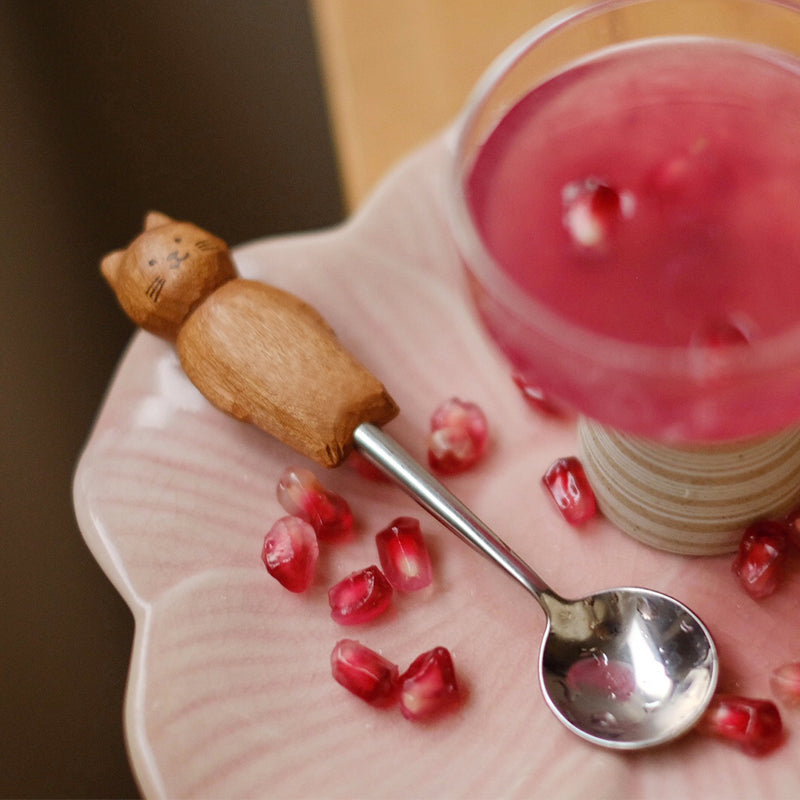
[[391, 458]]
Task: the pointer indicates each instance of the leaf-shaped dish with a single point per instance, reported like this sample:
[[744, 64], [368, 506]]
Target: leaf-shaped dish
[[230, 693]]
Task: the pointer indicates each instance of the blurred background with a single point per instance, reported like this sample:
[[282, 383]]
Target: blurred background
[[209, 111], [249, 117]]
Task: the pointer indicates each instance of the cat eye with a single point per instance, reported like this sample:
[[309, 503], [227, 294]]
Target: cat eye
[[152, 262]]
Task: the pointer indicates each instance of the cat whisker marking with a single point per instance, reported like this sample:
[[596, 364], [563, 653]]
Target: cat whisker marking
[[155, 287]]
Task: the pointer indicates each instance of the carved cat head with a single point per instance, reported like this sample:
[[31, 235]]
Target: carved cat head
[[166, 271]]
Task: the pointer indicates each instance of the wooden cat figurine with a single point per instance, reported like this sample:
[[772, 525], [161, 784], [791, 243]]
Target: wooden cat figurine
[[242, 342]]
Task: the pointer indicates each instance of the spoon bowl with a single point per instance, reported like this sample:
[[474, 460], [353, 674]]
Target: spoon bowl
[[623, 668], [626, 668]]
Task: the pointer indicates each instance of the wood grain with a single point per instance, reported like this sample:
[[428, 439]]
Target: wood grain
[[266, 357]]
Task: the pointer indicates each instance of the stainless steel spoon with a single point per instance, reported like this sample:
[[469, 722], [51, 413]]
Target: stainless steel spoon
[[624, 668]]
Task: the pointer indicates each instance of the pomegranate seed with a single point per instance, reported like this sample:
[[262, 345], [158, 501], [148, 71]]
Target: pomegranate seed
[[459, 436], [566, 481], [785, 682], [365, 673], [722, 333], [360, 597], [302, 495], [759, 562], [690, 175], [591, 209], [290, 553], [536, 398], [755, 725], [404, 556], [429, 686]]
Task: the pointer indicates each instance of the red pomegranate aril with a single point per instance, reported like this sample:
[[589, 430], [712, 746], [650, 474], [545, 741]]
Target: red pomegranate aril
[[755, 725], [459, 436], [302, 495], [785, 683], [404, 556], [290, 553], [365, 673], [536, 398], [759, 561], [428, 687], [721, 333], [360, 597], [591, 209], [566, 481]]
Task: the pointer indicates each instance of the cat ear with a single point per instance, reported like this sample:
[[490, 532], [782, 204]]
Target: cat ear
[[155, 219], [109, 266]]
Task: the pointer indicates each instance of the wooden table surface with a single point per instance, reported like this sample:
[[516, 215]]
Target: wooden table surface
[[397, 71]]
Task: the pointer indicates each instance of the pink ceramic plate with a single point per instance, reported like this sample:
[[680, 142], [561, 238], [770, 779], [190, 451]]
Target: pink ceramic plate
[[230, 693]]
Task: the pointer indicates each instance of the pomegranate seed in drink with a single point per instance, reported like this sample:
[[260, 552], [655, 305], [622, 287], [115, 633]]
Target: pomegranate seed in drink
[[722, 333], [759, 561], [591, 209], [785, 683], [459, 436], [365, 673], [566, 481], [290, 553], [360, 597], [403, 555], [755, 725], [302, 495], [428, 687], [535, 397], [710, 345]]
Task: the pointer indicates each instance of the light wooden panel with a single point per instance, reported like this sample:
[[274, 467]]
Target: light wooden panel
[[397, 71]]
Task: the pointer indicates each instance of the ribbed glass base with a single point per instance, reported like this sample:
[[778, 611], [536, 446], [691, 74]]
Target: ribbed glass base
[[690, 499]]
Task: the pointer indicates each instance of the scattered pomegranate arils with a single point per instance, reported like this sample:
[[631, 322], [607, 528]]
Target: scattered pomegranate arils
[[759, 561], [566, 481], [459, 436], [290, 553], [365, 673], [755, 725], [785, 683], [404, 556], [591, 209], [360, 597], [536, 397], [302, 495], [428, 687]]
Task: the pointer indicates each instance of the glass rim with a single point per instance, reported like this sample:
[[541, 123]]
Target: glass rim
[[763, 354]]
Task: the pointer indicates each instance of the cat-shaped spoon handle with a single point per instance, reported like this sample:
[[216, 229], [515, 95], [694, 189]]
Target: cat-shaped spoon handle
[[256, 352]]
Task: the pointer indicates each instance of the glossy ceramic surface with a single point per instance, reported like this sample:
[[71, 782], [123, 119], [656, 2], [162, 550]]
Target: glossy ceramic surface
[[230, 693]]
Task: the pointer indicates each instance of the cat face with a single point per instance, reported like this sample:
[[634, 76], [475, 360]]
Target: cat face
[[169, 268]]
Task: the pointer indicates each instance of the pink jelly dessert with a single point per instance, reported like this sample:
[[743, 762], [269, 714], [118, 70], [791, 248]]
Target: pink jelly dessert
[[638, 247]]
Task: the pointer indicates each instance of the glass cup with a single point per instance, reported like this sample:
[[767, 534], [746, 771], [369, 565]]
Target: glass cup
[[686, 382]]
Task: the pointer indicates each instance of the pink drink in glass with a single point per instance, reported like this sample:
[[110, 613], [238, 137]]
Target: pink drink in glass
[[672, 311]]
